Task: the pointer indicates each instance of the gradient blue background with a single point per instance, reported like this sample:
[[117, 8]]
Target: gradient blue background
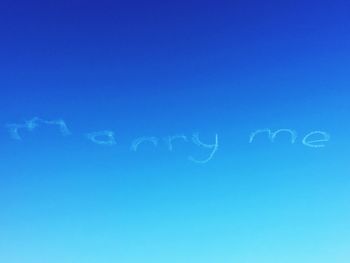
[[158, 68]]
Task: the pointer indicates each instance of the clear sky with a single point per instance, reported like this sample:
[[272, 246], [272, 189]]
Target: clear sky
[[212, 72]]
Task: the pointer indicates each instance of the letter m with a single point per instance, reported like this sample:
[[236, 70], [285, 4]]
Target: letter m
[[273, 134]]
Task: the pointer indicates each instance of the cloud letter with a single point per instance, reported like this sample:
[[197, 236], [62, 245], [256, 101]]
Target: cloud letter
[[213, 147], [272, 135], [135, 144], [325, 137], [169, 140], [110, 140]]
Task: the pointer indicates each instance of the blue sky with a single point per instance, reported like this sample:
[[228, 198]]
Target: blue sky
[[158, 69]]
